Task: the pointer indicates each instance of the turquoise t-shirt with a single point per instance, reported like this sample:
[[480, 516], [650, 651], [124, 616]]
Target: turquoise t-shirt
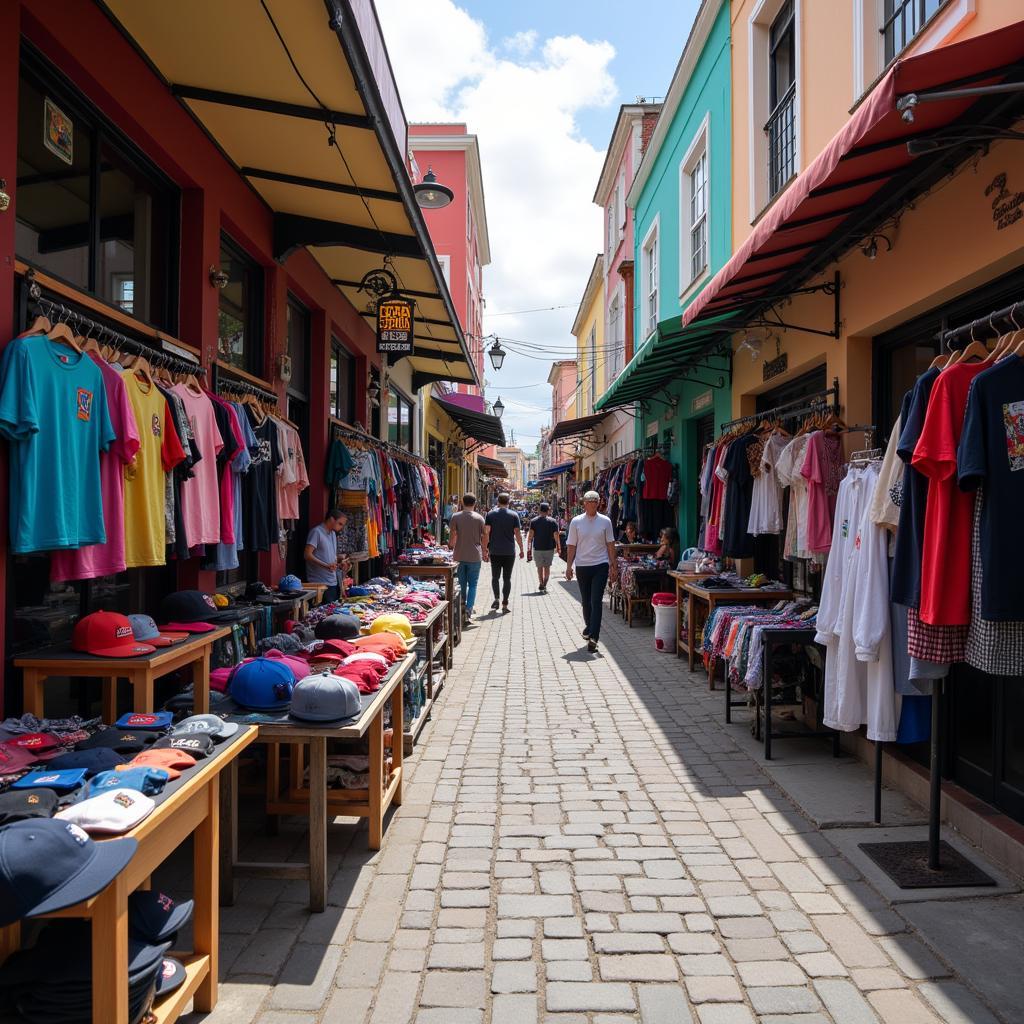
[[53, 410]]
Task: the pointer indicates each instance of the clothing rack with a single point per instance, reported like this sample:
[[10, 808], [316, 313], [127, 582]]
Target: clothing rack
[[340, 429], [59, 312], [243, 387], [816, 402], [1011, 315], [663, 448]]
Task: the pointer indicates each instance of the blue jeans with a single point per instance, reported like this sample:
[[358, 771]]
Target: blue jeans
[[468, 573], [593, 579]]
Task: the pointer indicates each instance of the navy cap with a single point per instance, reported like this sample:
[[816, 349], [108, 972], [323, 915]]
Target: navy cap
[[19, 804], [155, 916], [124, 741], [98, 759], [170, 977], [198, 744], [192, 606], [49, 864]]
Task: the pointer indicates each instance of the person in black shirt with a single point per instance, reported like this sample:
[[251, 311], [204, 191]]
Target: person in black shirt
[[542, 542], [505, 534]]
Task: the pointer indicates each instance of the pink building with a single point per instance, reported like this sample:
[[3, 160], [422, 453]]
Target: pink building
[[562, 379]]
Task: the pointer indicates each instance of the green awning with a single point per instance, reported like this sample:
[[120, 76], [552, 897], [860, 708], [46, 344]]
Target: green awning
[[669, 354]]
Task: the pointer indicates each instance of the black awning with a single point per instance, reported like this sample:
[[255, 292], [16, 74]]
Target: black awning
[[580, 425], [480, 426], [492, 467]]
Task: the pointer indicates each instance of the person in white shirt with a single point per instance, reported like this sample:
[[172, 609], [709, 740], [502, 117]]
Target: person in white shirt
[[590, 546]]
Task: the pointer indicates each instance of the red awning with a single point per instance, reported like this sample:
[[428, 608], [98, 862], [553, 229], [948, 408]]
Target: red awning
[[862, 159]]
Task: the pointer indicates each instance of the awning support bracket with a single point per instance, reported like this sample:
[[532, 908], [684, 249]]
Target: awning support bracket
[[906, 104], [831, 288]]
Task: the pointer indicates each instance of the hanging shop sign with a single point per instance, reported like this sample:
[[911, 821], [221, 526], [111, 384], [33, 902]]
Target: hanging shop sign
[[703, 401], [775, 367], [394, 326], [1006, 205], [58, 132]]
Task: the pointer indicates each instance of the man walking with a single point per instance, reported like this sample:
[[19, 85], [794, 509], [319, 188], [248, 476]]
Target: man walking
[[591, 547], [503, 537], [324, 562], [468, 539], [542, 541]]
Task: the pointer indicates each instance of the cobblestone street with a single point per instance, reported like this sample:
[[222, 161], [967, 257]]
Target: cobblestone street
[[581, 840]]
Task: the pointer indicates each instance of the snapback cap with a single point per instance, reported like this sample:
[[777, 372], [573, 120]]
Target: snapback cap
[[107, 635], [98, 759], [141, 777], [209, 725], [197, 744], [109, 813], [145, 720], [19, 804], [155, 916], [63, 781], [146, 631], [325, 698], [171, 761], [193, 606]]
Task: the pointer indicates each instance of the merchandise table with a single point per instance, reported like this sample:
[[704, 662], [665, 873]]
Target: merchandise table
[[435, 673], [711, 599], [623, 548], [187, 806], [141, 672], [316, 801], [681, 579], [446, 573]]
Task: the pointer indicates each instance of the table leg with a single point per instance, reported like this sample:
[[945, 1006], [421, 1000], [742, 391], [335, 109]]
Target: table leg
[[691, 630], [679, 620], [229, 841], [110, 968], [766, 685], [206, 916], [110, 700], [273, 783], [376, 801], [201, 682], [143, 692], [711, 660], [10, 940], [429, 640], [318, 822], [32, 691], [397, 743]]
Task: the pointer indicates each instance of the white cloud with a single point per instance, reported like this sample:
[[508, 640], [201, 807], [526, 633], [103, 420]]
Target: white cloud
[[522, 99]]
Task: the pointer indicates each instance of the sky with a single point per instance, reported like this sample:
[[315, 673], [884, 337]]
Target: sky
[[540, 83]]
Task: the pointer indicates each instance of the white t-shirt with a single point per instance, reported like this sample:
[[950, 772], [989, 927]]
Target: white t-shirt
[[591, 538]]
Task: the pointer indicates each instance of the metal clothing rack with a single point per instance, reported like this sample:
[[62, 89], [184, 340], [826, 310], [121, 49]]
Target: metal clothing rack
[[816, 402], [662, 448], [1009, 315], [339, 429], [233, 386], [59, 312]]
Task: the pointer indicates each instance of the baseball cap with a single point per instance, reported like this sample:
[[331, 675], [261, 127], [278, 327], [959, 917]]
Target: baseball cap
[[192, 606], [325, 698], [364, 676], [37, 743], [209, 725], [107, 635], [290, 584], [15, 759], [197, 744], [155, 916], [170, 976], [188, 628], [49, 864], [393, 623], [98, 759], [17, 805], [145, 720], [370, 658], [337, 627], [141, 777], [111, 812], [63, 780], [145, 631], [124, 741], [262, 684], [171, 761]]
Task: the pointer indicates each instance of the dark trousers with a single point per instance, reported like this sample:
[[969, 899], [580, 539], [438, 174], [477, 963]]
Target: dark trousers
[[331, 594], [593, 581], [501, 565]]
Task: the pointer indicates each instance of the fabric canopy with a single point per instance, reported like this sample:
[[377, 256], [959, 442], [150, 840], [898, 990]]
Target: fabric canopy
[[570, 428], [866, 172], [492, 467], [562, 467], [480, 426]]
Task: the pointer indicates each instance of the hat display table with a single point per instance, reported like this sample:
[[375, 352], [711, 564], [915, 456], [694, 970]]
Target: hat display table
[[142, 672], [446, 573], [316, 801], [430, 667], [189, 805]]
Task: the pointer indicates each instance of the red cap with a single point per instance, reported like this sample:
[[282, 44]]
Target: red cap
[[107, 635]]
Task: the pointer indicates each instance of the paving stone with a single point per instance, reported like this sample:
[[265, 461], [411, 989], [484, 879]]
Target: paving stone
[[770, 972], [629, 942], [512, 928], [456, 956], [534, 906], [396, 999], [449, 1015], [724, 1013], [512, 949], [663, 1004], [638, 967], [734, 906], [868, 979], [713, 990], [705, 964], [783, 999], [844, 1002], [901, 1006], [593, 996], [564, 949], [756, 949], [663, 924], [821, 965], [514, 977], [563, 928], [569, 970], [913, 958], [507, 1009], [454, 988]]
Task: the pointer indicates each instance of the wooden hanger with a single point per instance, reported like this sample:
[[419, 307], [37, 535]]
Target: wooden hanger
[[975, 350], [60, 332], [41, 325]]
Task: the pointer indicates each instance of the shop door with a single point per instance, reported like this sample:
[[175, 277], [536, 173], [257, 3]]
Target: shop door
[[705, 434]]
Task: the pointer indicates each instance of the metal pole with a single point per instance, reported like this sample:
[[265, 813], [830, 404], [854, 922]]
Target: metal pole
[[935, 801], [878, 783]]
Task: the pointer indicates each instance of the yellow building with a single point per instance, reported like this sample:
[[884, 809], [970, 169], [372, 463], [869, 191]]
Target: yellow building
[[592, 367]]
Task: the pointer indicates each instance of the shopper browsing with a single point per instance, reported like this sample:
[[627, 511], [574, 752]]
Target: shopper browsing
[[468, 540], [505, 534], [591, 548], [542, 541], [324, 561]]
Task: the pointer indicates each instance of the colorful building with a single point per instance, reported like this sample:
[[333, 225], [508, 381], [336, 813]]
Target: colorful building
[[591, 370]]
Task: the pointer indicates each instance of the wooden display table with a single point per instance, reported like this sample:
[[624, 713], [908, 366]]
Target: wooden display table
[[642, 579], [434, 659], [142, 672], [446, 573], [681, 579], [189, 805], [697, 595], [316, 801], [622, 548]]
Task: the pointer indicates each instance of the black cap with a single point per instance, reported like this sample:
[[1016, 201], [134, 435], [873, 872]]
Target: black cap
[[124, 741], [338, 627], [192, 606], [93, 759], [18, 804], [196, 744], [155, 916]]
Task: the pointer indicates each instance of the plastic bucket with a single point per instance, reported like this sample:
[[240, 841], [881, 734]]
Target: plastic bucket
[[664, 623]]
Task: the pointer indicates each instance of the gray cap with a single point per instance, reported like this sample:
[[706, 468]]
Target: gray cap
[[325, 698]]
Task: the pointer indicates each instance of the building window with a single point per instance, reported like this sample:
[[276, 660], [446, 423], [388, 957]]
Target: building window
[[649, 280], [342, 383], [592, 357], [445, 263], [694, 197], [903, 19], [400, 420], [298, 333], [617, 335], [620, 204], [781, 126], [610, 219], [92, 210], [240, 314]]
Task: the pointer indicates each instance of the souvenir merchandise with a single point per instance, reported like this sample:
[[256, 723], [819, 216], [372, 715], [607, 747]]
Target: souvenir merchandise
[[144, 778], [19, 805], [337, 627], [198, 745], [98, 759], [145, 630], [325, 698], [209, 725], [642, 488], [261, 685], [156, 917], [61, 780], [107, 635], [145, 720], [110, 812], [124, 741]]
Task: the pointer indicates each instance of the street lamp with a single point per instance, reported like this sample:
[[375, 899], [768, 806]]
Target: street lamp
[[499, 408], [431, 194], [497, 354]]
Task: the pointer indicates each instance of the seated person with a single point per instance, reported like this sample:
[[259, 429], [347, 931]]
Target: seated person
[[629, 534], [668, 548]]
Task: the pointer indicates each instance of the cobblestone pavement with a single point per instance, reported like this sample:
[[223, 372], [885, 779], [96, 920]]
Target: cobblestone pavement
[[581, 842]]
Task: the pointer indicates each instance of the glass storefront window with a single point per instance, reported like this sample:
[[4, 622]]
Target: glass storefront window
[[240, 316]]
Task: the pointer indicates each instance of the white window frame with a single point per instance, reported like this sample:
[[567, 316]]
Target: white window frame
[[646, 268], [592, 360], [620, 204], [615, 333], [445, 262], [699, 148], [758, 28], [609, 219]]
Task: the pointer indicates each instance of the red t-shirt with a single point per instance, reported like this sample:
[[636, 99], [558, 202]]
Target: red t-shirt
[[946, 556], [657, 474]]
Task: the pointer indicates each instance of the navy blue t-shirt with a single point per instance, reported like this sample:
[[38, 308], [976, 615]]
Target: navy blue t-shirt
[[544, 530], [503, 524], [736, 542], [991, 454], [906, 561]]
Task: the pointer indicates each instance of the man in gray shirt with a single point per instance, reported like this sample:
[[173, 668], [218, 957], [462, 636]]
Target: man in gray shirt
[[324, 563], [467, 535]]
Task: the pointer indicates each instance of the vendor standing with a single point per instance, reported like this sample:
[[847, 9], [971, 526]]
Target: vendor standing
[[324, 562]]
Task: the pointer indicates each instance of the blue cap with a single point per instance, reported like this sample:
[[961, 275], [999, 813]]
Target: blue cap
[[263, 684], [141, 777], [49, 864], [61, 780], [99, 759], [289, 584]]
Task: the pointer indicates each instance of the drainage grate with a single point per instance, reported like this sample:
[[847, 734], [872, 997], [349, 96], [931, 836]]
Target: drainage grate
[[907, 865]]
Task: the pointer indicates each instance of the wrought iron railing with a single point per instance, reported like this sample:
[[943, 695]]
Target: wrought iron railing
[[781, 132], [904, 22]]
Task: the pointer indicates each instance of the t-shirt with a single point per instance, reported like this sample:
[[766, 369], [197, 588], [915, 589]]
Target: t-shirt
[[159, 452], [53, 407], [736, 542], [469, 527], [991, 452], [503, 524], [106, 559], [339, 462], [200, 494], [591, 536], [657, 474], [544, 530], [325, 549], [946, 555], [258, 488]]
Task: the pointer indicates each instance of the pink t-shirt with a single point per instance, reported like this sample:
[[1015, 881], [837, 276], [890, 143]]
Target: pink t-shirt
[[227, 475], [819, 519], [106, 559], [200, 495]]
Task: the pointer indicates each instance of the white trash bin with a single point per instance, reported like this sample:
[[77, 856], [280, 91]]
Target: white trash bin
[[664, 606]]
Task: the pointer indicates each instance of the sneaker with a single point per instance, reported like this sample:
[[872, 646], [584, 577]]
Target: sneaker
[[494, 605], [542, 587], [591, 645], [504, 607]]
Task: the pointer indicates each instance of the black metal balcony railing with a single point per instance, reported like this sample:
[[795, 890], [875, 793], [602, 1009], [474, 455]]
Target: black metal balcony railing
[[781, 132], [904, 19]]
